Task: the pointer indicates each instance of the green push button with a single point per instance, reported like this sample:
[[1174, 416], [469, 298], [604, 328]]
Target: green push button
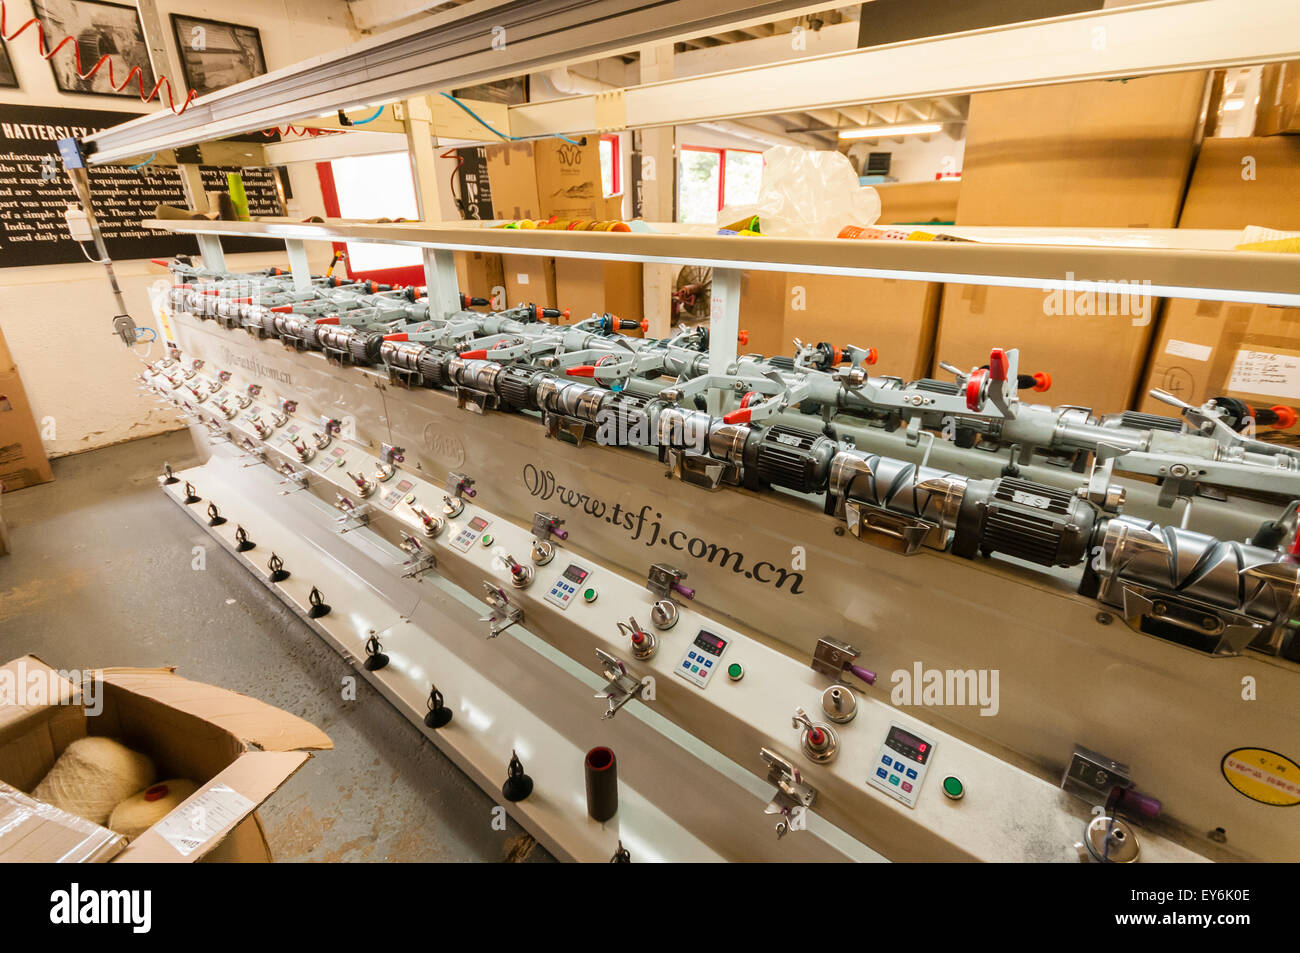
[[589, 595], [953, 788], [487, 540], [735, 671]]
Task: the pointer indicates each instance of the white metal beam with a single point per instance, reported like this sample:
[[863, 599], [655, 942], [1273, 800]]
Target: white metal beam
[[474, 43], [1167, 37]]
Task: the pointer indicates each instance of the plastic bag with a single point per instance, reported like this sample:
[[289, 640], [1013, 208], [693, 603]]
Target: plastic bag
[[808, 194]]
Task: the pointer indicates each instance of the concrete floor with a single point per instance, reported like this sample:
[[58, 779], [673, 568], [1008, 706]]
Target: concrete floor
[[100, 575]]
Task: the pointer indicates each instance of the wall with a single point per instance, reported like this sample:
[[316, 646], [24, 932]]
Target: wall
[[917, 158], [57, 318]]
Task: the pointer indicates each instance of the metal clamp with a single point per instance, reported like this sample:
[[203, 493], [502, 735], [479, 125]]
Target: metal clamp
[[792, 797], [504, 613], [622, 686], [421, 561], [833, 657]]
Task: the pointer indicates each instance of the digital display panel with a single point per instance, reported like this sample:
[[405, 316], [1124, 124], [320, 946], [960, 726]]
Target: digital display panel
[[710, 643], [477, 523], [576, 574], [908, 744]]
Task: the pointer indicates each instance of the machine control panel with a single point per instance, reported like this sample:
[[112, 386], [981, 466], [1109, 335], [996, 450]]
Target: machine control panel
[[901, 763], [571, 582], [702, 657], [471, 531], [396, 493], [336, 457]]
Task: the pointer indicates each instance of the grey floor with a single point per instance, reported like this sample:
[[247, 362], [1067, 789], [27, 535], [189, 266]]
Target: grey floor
[[100, 575]]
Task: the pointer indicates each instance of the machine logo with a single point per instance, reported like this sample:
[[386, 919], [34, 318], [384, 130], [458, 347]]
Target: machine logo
[[445, 447]]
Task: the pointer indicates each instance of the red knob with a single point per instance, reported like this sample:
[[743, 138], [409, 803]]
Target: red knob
[[397, 337], [872, 356], [331, 319], [645, 326], [479, 355], [738, 416], [748, 398], [999, 365], [816, 737], [283, 309], [975, 388], [1042, 381], [582, 370], [1286, 416], [742, 337]]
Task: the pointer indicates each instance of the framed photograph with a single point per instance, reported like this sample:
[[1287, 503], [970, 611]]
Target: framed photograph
[[8, 78], [215, 55], [99, 28]]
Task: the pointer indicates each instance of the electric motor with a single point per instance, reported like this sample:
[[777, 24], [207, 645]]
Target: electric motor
[[1031, 521], [785, 456]]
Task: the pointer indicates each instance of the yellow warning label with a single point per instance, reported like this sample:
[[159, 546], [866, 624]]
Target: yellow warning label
[[1262, 775]]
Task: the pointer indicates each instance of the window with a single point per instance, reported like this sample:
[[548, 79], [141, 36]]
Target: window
[[710, 178], [610, 166], [378, 186]]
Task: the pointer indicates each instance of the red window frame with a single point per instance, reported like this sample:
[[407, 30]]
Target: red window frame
[[722, 165], [616, 187], [408, 275]]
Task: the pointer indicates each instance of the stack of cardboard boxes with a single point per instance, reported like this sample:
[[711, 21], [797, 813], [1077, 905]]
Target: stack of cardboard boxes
[[1206, 349], [1104, 154]]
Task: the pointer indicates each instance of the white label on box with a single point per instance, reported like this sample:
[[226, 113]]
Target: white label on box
[[203, 817], [1197, 352], [1259, 372], [521, 278]]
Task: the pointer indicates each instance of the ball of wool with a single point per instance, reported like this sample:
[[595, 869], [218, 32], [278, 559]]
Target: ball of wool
[[146, 808], [93, 776]]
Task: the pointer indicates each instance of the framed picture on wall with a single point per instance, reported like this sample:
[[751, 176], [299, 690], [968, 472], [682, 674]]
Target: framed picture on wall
[[100, 29], [8, 78], [215, 55]]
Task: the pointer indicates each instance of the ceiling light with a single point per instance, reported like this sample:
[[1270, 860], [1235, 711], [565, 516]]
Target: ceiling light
[[889, 132]]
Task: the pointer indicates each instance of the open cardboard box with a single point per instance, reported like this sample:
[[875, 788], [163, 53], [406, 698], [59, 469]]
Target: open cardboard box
[[237, 749]]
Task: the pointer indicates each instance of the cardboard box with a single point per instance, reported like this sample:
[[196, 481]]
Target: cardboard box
[[529, 279], [549, 177], [598, 287], [1103, 153], [914, 203], [22, 455], [897, 318], [1240, 182], [1278, 111], [762, 313], [481, 275], [512, 174], [1210, 349], [237, 749], [1095, 359]]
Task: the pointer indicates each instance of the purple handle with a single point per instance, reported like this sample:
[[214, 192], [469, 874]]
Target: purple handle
[[561, 533], [470, 492], [1143, 804], [866, 675], [685, 591]]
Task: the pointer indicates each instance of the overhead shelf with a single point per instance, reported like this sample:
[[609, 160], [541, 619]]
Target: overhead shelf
[[1173, 263]]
